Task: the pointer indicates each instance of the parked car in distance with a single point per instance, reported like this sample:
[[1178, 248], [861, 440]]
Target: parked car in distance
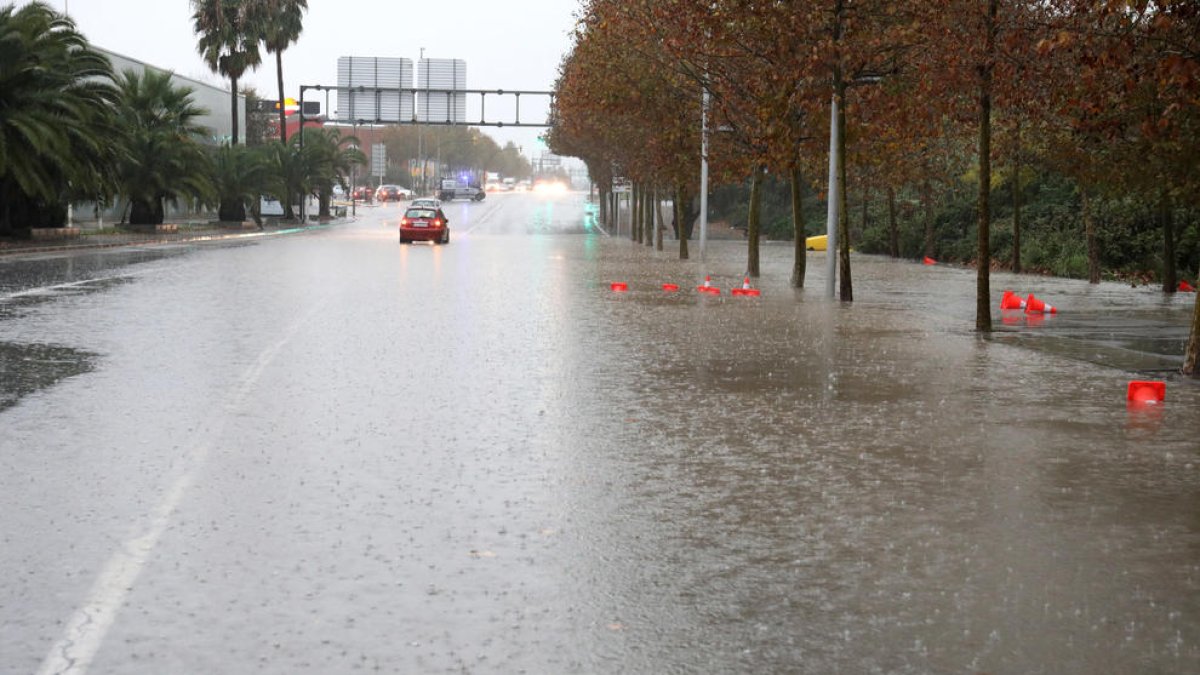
[[424, 224], [392, 193], [362, 193]]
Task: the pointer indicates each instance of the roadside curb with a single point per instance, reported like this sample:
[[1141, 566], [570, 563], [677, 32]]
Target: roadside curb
[[14, 251]]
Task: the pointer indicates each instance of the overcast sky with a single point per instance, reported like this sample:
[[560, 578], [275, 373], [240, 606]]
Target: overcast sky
[[507, 44]]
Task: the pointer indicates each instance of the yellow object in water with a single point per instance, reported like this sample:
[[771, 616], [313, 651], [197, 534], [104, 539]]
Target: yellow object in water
[[816, 243]]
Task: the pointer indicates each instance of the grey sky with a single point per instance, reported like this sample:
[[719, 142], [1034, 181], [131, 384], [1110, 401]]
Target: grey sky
[[507, 44]]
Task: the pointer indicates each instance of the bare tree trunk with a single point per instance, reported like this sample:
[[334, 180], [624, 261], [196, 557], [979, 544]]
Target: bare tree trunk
[[635, 222], [603, 199], [1170, 275], [927, 198], [1192, 354], [1016, 197], [893, 228], [801, 252], [983, 303], [846, 286], [1089, 233], [282, 112], [752, 224], [662, 226], [681, 228], [648, 214]]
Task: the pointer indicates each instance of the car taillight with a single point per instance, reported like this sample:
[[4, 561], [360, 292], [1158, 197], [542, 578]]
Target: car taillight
[[404, 222], [437, 223]]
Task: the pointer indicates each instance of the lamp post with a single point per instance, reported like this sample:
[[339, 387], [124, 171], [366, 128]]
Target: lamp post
[[421, 130], [832, 215]]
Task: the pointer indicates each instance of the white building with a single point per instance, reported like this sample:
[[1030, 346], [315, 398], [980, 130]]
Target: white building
[[218, 120]]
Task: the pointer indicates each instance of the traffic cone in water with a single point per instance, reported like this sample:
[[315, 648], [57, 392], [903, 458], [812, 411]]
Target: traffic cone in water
[[1011, 300], [745, 290], [619, 286], [671, 288], [1035, 306], [707, 287], [1185, 287], [1146, 392], [929, 261]]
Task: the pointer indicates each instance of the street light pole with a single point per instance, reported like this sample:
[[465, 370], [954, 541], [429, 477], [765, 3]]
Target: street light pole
[[835, 191], [421, 130]]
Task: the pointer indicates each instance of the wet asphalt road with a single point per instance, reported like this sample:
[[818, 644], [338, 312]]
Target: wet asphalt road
[[327, 452]]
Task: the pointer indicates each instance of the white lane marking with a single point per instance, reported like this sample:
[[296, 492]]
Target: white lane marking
[[82, 283], [86, 629]]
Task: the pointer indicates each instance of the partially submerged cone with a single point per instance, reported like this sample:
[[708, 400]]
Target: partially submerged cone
[[1011, 300], [746, 290], [619, 286], [707, 287], [1185, 287], [1146, 392], [671, 288], [1035, 306], [929, 261]]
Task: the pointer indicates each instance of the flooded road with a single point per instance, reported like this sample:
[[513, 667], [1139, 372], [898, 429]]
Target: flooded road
[[330, 453]]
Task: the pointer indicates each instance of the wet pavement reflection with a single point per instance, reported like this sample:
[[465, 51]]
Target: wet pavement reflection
[[342, 454]]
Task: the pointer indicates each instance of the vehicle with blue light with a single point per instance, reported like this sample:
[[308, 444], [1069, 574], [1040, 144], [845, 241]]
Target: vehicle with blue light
[[453, 188]]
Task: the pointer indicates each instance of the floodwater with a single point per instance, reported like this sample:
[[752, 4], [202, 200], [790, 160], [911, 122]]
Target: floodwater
[[330, 453]]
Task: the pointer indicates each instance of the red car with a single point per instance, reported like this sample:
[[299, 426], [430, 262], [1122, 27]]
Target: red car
[[362, 193], [424, 225]]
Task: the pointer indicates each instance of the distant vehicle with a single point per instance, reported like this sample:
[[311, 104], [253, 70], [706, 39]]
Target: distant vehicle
[[426, 203], [424, 225], [457, 189], [362, 193], [508, 184], [392, 193]]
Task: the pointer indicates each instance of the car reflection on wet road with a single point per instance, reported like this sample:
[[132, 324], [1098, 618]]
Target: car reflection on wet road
[[327, 452]]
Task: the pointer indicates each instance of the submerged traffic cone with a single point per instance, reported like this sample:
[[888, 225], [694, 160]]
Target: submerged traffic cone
[[619, 286], [1035, 306], [1185, 287], [1011, 300], [929, 261], [707, 287], [745, 290], [1146, 392], [671, 288]]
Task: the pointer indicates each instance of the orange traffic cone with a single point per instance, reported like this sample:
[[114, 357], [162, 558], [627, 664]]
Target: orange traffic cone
[[1185, 287], [671, 288], [745, 290], [1146, 392], [1035, 306], [929, 261], [1011, 300], [707, 287], [619, 286]]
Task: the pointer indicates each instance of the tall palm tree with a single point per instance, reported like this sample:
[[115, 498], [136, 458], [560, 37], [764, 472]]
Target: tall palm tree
[[284, 24], [165, 160], [230, 32], [57, 135]]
